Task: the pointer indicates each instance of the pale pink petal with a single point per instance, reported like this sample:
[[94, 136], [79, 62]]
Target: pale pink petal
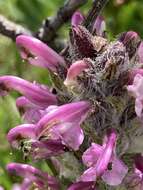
[[117, 173]]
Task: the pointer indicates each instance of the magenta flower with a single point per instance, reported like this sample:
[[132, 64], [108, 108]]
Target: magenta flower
[[63, 124], [136, 90], [38, 53], [37, 94], [24, 137], [58, 130], [99, 26], [42, 180], [77, 18], [99, 159], [74, 71]]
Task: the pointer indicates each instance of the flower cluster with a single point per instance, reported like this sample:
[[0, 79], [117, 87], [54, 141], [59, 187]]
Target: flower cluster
[[97, 84]]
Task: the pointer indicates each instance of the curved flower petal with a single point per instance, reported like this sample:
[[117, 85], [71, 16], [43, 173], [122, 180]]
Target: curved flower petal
[[99, 26], [75, 70], [33, 92], [77, 18], [38, 53], [89, 175], [21, 132], [69, 113], [92, 154], [116, 174], [105, 157], [64, 123], [70, 133]]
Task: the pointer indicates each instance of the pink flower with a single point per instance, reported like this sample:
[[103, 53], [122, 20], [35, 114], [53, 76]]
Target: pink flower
[[99, 159], [36, 93], [74, 71], [99, 26], [38, 53], [77, 18], [41, 179], [57, 131], [64, 123]]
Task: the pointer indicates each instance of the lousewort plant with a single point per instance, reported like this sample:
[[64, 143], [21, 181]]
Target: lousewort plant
[[87, 129]]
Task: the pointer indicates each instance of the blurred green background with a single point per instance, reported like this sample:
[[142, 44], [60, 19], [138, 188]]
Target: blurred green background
[[30, 13]]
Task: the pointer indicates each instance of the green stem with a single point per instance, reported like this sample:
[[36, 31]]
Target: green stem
[[52, 167]]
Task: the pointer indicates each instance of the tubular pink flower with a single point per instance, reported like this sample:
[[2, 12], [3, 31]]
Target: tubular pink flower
[[64, 123], [58, 130], [77, 18], [104, 159], [98, 159], [41, 179], [24, 137], [136, 90], [35, 93], [75, 70], [38, 53], [99, 26], [21, 132]]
